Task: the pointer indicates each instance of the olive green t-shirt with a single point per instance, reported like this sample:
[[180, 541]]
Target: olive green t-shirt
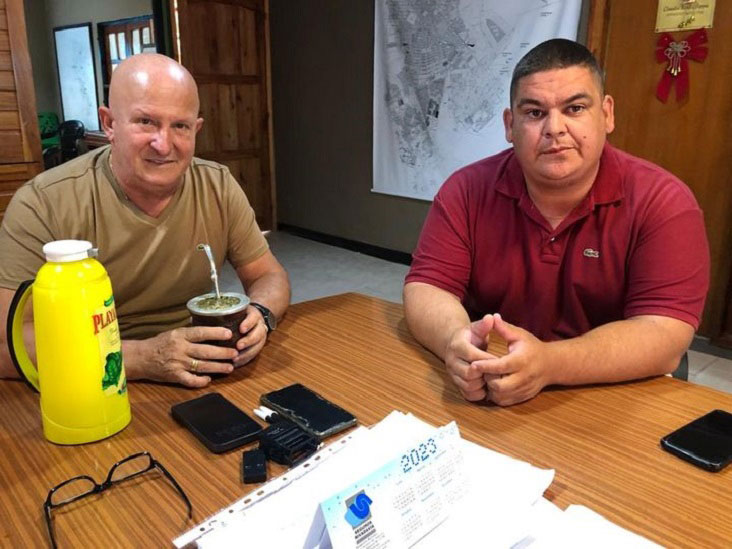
[[152, 262]]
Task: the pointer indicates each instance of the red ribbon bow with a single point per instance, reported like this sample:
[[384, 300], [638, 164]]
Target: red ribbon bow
[[677, 54]]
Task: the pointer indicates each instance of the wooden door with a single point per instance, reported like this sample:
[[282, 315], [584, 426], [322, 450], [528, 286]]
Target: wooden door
[[225, 46], [692, 138], [20, 142]]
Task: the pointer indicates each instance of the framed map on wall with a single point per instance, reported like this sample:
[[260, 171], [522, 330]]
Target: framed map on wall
[[77, 74], [441, 75]]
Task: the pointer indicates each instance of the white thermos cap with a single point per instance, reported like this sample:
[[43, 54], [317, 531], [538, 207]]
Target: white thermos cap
[[62, 251]]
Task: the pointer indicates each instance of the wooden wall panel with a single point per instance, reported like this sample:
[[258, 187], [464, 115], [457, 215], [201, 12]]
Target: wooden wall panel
[[11, 146], [20, 144], [9, 120], [224, 45], [690, 138], [251, 175], [5, 200], [23, 81], [11, 139], [8, 101], [248, 108], [249, 53], [206, 138], [225, 40], [227, 121], [7, 80], [247, 172], [232, 119], [12, 176]]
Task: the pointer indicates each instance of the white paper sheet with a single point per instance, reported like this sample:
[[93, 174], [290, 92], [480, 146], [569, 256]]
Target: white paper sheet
[[577, 527], [501, 489]]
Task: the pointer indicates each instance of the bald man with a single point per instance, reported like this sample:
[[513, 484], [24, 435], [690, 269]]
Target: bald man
[[146, 203]]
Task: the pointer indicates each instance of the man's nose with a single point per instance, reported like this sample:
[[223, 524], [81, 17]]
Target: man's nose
[[162, 141], [554, 124]]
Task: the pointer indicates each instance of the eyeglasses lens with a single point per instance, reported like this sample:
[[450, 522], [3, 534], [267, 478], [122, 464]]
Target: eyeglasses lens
[[131, 467], [72, 490]]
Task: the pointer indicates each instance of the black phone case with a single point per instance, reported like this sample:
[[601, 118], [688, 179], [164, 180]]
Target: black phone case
[[216, 422], [311, 408], [685, 442], [712, 466]]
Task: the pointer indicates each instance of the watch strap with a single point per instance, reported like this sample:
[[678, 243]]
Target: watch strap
[[270, 321]]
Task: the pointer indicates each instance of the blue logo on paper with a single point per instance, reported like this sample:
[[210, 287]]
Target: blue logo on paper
[[359, 509]]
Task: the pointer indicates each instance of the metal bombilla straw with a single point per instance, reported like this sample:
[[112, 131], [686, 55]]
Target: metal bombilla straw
[[214, 275]]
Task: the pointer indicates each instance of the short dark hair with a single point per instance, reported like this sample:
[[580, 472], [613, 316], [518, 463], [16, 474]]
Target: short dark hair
[[557, 53]]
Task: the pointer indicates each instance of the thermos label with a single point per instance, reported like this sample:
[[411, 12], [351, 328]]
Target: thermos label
[[104, 319], [106, 330]]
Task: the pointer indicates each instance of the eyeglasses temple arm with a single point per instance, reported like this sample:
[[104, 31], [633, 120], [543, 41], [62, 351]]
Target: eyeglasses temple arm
[[177, 486]]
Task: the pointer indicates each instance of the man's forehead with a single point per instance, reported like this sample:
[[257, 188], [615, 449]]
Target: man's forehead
[[163, 97], [566, 82], [147, 110]]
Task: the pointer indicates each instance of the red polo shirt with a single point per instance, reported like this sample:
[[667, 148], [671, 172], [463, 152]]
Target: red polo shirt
[[635, 245]]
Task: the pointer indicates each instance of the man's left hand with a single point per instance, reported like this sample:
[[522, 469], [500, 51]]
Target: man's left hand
[[519, 375], [254, 338]]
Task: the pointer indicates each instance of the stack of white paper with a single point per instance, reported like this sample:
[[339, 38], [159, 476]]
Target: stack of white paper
[[497, 508]]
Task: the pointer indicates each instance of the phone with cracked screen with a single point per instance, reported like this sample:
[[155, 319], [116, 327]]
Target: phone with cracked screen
[[315, 414], [706, 442], [216, 422]]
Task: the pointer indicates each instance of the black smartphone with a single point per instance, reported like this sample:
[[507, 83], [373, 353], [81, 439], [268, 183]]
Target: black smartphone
[[315, 414], [216, 422], [706, 442]]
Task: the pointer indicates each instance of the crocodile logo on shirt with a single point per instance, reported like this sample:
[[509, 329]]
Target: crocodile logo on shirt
[[589, 252]]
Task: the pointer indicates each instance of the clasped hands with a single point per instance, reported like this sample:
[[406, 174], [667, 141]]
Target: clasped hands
[[505, 380], [181, 356]]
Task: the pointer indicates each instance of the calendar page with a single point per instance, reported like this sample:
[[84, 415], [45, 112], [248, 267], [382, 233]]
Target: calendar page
[[401, 502]]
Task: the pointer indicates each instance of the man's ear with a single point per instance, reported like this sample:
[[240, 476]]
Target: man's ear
[[507, 122], [106, 118], [199, 124], [608, 109]]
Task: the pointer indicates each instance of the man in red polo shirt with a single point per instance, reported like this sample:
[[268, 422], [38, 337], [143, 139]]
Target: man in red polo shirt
[[591, 263]]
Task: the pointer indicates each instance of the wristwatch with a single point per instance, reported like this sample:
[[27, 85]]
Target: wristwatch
[[270, 320]]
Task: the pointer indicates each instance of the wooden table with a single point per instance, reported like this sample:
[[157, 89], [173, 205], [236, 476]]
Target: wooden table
[[357, 351]]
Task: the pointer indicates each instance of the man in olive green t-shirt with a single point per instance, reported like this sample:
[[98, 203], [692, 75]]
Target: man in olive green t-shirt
[[146, 203]]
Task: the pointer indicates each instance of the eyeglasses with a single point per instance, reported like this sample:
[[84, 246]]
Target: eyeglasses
[[79, 487]]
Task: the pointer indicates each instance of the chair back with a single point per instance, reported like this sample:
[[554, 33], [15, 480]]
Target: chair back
[[70, 132], [51, 157]]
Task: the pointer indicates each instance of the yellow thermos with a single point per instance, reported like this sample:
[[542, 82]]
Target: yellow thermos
[[80, 372]]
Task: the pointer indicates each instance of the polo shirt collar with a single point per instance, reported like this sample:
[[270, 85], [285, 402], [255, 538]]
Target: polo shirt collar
[[511, 179], [608, 187]]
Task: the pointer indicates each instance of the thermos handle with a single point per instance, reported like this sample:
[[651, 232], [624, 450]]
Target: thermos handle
[[16, 345]]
